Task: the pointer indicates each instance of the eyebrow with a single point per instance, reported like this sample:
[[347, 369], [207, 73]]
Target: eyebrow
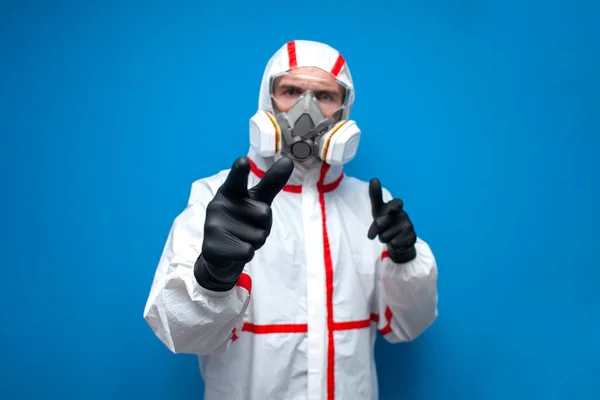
[[287, 86]]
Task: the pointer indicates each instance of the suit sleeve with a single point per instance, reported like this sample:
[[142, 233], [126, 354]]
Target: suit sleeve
[[407, 293], [186, 317]]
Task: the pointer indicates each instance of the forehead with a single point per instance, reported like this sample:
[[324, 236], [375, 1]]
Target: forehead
[[314, 72], [309, 77]]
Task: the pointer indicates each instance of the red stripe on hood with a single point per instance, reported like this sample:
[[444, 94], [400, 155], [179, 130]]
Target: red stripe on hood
[[291, 49]]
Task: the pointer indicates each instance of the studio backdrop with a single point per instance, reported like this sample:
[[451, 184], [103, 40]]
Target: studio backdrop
[[482, 116]]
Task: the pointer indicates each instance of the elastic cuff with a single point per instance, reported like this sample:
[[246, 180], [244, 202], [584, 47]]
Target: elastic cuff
[[402, 256], [207, 281]]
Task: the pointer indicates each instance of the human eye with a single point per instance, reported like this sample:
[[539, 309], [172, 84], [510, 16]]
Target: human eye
[[291, 91], [326, 96]]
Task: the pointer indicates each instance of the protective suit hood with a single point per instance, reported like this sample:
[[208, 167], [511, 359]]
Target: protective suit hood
[[297, 54]]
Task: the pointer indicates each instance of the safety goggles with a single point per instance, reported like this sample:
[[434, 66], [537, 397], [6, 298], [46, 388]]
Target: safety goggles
[[287, 88]]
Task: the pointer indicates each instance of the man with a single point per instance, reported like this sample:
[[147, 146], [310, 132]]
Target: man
[[271, 274]]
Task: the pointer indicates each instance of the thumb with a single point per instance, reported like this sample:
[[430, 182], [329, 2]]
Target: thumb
[[236, 183], [273, 181], [376, 196]]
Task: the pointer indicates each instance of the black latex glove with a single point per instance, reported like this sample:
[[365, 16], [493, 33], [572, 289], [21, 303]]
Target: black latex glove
[[392, 225], [238, 222]]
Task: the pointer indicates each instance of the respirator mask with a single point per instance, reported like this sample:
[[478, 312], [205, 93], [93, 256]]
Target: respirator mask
[[306, 120]]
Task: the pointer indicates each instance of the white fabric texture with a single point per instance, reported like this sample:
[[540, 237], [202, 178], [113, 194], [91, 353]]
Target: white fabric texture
[[303, 319]]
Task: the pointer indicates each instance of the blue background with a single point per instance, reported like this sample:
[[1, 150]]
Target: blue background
[[481, 115]]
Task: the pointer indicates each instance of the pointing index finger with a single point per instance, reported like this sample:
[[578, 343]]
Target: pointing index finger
[[376, 196], [236, 184]]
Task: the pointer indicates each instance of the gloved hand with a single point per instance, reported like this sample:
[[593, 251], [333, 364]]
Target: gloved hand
[[238, 222], [392, 225]]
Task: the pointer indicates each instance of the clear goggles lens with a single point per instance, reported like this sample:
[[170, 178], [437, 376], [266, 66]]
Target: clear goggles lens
[[287, 88]]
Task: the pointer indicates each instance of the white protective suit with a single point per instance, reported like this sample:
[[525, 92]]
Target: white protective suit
[[302, 321]]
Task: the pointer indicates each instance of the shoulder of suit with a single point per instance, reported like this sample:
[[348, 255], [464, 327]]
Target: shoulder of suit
[[351, 180], [355, 184], [204, 189]]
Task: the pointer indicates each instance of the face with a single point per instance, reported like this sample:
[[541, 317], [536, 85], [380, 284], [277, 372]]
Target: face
[[289, 87]]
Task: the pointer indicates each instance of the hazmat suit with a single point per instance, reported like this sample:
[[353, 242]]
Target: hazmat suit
[[273, 275]]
